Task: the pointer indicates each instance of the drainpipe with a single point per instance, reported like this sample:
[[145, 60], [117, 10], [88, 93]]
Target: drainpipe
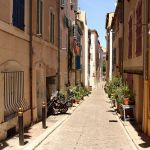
[[30, 57], [145, 40], [145, 64], [122, 58], [110, 60], [58, 75]]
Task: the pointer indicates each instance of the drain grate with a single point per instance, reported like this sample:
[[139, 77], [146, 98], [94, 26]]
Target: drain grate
[[113, 121]]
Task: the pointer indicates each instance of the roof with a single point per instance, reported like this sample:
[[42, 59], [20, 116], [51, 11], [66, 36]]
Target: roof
[[95, 31], [109, 18]]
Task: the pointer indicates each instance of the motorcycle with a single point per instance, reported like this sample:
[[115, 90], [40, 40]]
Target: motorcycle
[[57, 104]]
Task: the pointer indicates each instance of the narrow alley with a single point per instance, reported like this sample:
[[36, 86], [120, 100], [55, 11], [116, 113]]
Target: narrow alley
[[93, 126]]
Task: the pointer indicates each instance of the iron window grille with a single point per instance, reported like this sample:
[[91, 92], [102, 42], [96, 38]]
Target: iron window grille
[[13, 93]]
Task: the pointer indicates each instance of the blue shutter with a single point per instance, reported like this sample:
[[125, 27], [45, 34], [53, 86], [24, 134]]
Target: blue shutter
[[18, 13], [21, 14], [78, 66], [15, 14]]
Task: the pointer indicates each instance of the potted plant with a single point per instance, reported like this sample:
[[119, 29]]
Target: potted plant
[[126, 94], [113, 99]]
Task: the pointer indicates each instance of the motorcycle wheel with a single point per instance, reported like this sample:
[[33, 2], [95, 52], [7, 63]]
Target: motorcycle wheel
[[64, 110]]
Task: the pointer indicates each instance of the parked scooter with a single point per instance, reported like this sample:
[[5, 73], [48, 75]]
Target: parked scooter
[[57, 104]]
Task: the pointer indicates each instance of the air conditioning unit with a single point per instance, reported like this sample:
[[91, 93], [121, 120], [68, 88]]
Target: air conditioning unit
[[62, 4]]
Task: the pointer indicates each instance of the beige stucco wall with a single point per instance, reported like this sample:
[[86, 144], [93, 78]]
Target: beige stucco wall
[[66, 11], [14, 56], [45, 55], [135, 62]]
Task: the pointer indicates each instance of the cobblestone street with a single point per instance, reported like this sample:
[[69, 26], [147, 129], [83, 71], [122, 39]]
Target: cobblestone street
[[93, 126]]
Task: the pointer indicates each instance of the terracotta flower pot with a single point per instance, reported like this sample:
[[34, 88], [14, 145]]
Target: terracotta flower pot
[[126, 101]]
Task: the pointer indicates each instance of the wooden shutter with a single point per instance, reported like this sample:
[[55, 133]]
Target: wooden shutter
[[130, 39], [78, 65], [39, 16], [139, 29], [51, 27], [18, 13], [53, 20]]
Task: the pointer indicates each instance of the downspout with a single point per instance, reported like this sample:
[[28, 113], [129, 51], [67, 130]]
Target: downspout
[[58, 75], [30, 57], [122, 43], [145, 67], [110, 59]]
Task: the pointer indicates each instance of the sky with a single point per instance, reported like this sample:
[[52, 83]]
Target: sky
[[96, 11]]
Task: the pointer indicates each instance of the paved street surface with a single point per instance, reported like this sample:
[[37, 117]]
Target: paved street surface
[[93, 126]]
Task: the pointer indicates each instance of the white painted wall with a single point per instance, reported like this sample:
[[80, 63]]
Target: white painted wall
[[110, 58], [82, 17], [92, 61]]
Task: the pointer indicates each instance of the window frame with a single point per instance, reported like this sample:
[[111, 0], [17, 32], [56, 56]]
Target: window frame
[[139, 29], [40, 17], [130, 37], [51, 26], [16, 14]]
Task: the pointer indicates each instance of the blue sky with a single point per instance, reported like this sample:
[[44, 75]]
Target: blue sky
[[96, 13]]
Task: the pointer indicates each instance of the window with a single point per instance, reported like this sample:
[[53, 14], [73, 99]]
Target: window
[[75, 5], [71, 3], [52, 24], [78, 65], [139, 29], [39, 17], [130, 39], [62, 4], [18, 14]]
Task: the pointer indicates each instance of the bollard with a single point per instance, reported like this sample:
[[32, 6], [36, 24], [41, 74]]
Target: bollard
[[21, 128], [43, 115]]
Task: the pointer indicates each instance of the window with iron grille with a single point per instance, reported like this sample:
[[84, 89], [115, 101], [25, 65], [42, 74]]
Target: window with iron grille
[[13, 93], [39, 17], [130, 38], [139, 29], [18, 14], [52, 27]]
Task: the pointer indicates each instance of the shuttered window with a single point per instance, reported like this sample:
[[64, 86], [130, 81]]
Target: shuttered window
[[75, 5], [78, 64], [139, 29], [18, 14], [52, 27], [62, 3], [130, 39], [39, 17]]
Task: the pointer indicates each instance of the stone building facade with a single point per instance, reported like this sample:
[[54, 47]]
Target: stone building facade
[[45, 26], [14, 65]]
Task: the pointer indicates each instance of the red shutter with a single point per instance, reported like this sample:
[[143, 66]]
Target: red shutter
[[130, 39], [139, 29]]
